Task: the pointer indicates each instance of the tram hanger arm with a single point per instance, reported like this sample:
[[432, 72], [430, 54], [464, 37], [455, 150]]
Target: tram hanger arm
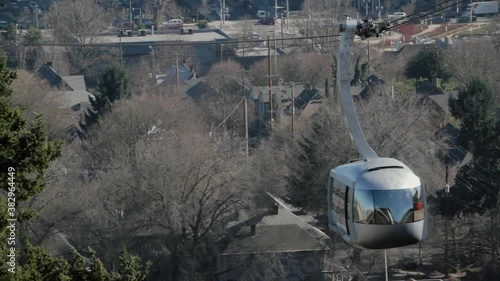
[[345, 74]]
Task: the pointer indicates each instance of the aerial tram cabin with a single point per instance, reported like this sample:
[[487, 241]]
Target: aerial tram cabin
[[377, 204]]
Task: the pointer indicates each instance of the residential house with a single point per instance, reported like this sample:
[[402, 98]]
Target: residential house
[[260, 96], [249, 55], [72, 95], [170, 76], [363, 89], [278, 236]]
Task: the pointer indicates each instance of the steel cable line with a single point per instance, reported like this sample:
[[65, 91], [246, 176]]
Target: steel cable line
[[184, 43], [424, 16], [478, 177], [432, 7]]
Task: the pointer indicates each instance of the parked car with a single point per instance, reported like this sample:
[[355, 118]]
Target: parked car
[[26, 24], [397, 15], [3, 24], [173, 23], [466, 19], [439, 19], [451, 14], [266, 21]]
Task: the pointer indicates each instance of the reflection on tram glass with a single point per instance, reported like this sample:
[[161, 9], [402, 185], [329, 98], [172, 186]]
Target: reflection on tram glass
[[388, 206]]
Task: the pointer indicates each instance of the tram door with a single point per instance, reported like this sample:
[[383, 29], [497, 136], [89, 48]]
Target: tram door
[[340, 206]]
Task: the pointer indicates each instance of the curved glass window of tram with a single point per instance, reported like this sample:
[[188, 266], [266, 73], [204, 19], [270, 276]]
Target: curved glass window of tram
[[340, 205], [388, 206]]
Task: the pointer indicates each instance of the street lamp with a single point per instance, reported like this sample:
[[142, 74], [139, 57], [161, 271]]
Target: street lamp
[[152, 61]]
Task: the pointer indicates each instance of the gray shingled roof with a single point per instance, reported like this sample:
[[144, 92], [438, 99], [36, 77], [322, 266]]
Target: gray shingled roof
[[53, 78], [76, 82], [273, 238], [71, 98]]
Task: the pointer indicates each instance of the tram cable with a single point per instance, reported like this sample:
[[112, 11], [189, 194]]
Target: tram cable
[[424, 16]]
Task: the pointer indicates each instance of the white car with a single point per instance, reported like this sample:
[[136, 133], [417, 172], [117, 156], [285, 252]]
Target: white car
[[397, 15], [173, 23]]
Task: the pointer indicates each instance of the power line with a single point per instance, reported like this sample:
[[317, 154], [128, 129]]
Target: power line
[[426, 15], [184, 43]]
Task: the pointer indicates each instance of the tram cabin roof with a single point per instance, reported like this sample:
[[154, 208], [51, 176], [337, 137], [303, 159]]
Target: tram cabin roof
[[378, 174]]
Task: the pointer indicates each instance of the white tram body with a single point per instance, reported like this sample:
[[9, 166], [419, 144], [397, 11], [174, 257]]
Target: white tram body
[[377, 204]]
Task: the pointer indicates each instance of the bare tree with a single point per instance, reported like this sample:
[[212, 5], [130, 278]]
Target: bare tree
[[409, 7], [172, 183], [37, 97], [494, 29], [80, 22], [476, 57], [160, 8], [319, 25], [258, 73], [222, 104], [309, 68], [246, 34], [409, 139]]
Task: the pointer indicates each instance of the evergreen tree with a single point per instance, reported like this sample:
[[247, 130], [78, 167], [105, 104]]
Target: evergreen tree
[[477, 188], [131, 268], [306, 187], [113, 86], [428, 62], [475, 108], [25, 154]]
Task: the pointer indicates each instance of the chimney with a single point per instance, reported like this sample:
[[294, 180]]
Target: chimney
[[275, 208], [471, 147], [49, 63], [252, 230]]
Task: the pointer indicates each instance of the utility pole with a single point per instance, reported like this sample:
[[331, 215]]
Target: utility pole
[[221, 14], [275, 9], [379, 11], [224, 14], [282, 41], [385, 259], [121, 53], [177, 71], [270, 83], [130, 12], [36, 14], [152, 63], [447, 190], [275, 54], [368, 52], [245, 112], [288, 15], [293, 108], [221, 52]]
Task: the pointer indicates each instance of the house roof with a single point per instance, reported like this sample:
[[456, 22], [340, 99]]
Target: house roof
[[185, 73], [75, 82], [273, 238], [457, 155], [71, 98], [441, 99], [307, 95], [310, 109], [197, 88], [53, 78], [259, 92]]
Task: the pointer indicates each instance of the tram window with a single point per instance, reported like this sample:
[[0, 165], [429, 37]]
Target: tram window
[[388, 206], [339, 204], [418, 204], [363, 207]]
